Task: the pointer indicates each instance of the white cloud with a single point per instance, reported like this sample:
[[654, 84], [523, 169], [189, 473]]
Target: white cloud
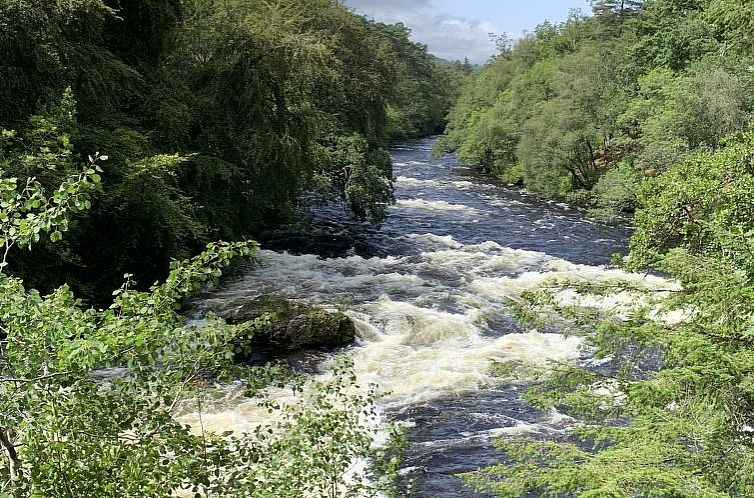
[[447, 36]]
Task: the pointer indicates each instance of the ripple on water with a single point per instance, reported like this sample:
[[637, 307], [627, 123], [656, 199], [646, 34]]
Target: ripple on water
[[432, 314]]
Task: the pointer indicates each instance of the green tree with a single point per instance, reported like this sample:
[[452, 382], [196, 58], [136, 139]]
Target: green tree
[[733, 23], [558, 149], [248, 93], [674, 115], [466, 67], [613, 14], [639, 83], [685, 429], [89, 396]]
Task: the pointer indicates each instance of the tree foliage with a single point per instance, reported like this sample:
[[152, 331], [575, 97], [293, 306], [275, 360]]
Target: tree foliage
[[684, 429], [89, 396], [654, 102], [249, 94], [637, 83]]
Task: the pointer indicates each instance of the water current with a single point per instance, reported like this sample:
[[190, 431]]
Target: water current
[[429, 293]]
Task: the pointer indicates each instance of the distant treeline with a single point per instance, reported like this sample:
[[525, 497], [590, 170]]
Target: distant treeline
[[216, 116], [585, 109]]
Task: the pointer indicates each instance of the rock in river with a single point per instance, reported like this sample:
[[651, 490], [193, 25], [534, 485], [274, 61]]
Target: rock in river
[[294, 326]]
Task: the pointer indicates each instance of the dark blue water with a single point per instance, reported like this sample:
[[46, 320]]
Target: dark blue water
[[431, 290]]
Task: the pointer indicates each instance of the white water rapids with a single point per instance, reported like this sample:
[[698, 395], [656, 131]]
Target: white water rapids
[[431, 309]]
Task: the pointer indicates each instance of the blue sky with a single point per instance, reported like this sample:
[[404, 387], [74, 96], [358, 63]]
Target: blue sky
[[454, 29]]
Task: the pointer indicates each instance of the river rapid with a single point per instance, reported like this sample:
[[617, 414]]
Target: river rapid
[[430, 295]]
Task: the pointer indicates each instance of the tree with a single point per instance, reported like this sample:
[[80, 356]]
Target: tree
[[638, 83], [249, 93], [673, 115], [684, 429], [466, 67], [89, 396], [733, 22], [613, 14], [558, 149]]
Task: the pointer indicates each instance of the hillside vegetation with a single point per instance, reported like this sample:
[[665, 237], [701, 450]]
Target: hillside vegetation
[[217, 115], [643, 106], [584, 109]]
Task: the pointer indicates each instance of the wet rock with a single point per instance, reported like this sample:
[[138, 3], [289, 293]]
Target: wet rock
[[326, 240], [294, 326], [412, 471]]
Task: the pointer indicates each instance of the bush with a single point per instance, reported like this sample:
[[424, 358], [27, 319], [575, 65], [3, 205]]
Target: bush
[[616, 191], [513, 175], [88, 396]]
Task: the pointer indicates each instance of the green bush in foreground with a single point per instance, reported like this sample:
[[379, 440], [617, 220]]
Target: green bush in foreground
[[88, 396], [687, 429]]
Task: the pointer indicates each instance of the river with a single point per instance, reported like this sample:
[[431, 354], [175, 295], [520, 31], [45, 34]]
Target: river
[[429, 293]]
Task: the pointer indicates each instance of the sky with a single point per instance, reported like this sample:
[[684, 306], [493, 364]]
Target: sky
[[454, 29]]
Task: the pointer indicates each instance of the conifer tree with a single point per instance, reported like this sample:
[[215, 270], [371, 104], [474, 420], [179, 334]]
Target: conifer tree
[[614, 13]]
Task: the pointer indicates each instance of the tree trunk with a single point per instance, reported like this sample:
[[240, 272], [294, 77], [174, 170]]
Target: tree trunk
[[14, 463]]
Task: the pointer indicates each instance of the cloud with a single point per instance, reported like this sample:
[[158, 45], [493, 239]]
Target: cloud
[[381, 6], [447, 36]]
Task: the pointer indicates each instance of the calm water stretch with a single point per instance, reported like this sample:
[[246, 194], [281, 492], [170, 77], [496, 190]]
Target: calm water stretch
[[429, 293]]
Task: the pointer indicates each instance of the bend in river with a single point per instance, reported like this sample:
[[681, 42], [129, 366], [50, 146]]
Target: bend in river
[[431, 307]]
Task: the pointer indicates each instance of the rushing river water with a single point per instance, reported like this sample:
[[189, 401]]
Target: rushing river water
[[429, 293]]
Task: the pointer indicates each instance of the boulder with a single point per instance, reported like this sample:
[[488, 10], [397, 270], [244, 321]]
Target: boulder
[[294, 326]]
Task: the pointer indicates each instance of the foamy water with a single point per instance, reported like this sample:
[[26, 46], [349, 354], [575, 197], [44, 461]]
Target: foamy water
[[438, 206], [433, 313], [424, 322]]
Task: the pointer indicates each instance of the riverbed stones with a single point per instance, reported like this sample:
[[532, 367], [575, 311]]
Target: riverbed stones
[[293, 326]]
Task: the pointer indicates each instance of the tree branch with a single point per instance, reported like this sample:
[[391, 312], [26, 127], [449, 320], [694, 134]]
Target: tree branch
[[21, 380], [15, 464]]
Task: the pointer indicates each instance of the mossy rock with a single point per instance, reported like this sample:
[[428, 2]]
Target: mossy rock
[[293, 326]]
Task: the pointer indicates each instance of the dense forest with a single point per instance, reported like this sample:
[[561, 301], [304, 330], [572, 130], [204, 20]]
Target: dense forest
[[585, 109], [216, 116], [642, 106]]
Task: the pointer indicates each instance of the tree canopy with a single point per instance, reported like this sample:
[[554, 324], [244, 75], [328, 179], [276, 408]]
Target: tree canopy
[[217, 115], [643, 108], [637, 85]]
